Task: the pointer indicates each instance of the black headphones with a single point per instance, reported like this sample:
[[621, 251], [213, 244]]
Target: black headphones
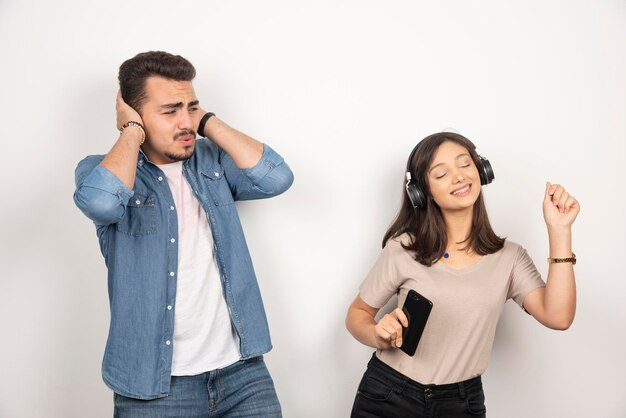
[[418, 197]]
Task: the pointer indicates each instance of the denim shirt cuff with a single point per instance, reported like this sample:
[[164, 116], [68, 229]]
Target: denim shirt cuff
[[269, 160], [103, 179]]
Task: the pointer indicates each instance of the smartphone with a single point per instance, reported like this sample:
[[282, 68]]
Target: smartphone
[[417, 309]]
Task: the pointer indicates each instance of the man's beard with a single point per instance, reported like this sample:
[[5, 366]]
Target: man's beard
[[180, 157], [186, 154]]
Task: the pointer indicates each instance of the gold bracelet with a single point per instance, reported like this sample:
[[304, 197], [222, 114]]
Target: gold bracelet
[[571, 259], [138, 125]]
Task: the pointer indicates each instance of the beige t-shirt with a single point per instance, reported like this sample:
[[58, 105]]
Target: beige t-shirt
[[457, 341]]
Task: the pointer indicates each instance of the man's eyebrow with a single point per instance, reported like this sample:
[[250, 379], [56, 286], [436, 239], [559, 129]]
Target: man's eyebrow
[[178, 105], [172, 105], [464, 154]]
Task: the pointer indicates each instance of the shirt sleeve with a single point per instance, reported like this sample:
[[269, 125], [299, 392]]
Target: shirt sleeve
[[99, 194], [383, 280], [270, 177], [524, 277]]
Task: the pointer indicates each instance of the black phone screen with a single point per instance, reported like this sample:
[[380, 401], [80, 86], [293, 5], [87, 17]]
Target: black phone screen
[[417, 309]]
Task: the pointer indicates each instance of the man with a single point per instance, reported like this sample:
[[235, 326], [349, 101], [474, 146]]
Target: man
[[188, 327]]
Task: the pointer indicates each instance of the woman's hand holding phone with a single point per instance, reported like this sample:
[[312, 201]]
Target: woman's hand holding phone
[[388, 330]]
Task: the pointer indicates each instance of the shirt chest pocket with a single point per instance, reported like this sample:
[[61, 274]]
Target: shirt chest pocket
[[217, 186], [140, 217]]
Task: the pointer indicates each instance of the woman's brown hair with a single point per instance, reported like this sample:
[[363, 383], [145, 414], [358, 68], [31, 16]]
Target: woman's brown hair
[[426, 226]]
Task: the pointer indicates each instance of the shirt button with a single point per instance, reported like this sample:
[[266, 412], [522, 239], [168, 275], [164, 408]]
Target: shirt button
[[172, 273], [169, 307], [168, 342], [160, 178], [172, 240], [137, 201], [171, 207], [216, 174]]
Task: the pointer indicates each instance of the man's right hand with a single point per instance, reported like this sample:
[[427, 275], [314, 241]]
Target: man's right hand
[[124, 112], [122, 158]]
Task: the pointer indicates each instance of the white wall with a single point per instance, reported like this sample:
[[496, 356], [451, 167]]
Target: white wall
[[343, 91]]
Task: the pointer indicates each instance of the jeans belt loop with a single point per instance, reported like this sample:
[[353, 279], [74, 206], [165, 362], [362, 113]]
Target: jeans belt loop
[[462, 390]]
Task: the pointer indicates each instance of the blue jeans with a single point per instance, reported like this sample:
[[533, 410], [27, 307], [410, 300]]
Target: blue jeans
[[243, 389], [384, 392]]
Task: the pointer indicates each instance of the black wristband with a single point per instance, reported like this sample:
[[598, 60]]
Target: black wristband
[[203, 121]]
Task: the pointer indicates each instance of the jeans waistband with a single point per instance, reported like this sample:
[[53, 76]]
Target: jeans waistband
[[395, 375]]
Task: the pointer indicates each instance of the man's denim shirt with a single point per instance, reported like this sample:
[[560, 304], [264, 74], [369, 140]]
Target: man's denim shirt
[[138, 234]]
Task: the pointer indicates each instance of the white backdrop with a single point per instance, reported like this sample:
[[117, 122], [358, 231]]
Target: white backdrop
[[343, 90]]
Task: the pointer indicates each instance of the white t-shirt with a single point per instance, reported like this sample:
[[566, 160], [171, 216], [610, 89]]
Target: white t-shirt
[[204, 338]]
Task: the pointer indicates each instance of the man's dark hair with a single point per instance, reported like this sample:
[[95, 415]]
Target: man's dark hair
[[134, 72]]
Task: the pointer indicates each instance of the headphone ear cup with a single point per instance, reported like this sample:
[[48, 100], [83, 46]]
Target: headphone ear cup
[[486, 174], [416, 196]]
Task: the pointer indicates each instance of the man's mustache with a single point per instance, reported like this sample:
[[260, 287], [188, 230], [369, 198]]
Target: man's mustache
[[185, 132]]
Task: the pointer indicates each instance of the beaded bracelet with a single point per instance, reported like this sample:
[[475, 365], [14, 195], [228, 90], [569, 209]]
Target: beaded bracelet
[[138, 125]]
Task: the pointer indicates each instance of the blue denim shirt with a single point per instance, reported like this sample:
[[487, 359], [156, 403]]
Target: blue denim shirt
[[138, 234]]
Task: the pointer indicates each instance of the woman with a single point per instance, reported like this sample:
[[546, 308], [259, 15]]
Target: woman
[[441, 245]]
